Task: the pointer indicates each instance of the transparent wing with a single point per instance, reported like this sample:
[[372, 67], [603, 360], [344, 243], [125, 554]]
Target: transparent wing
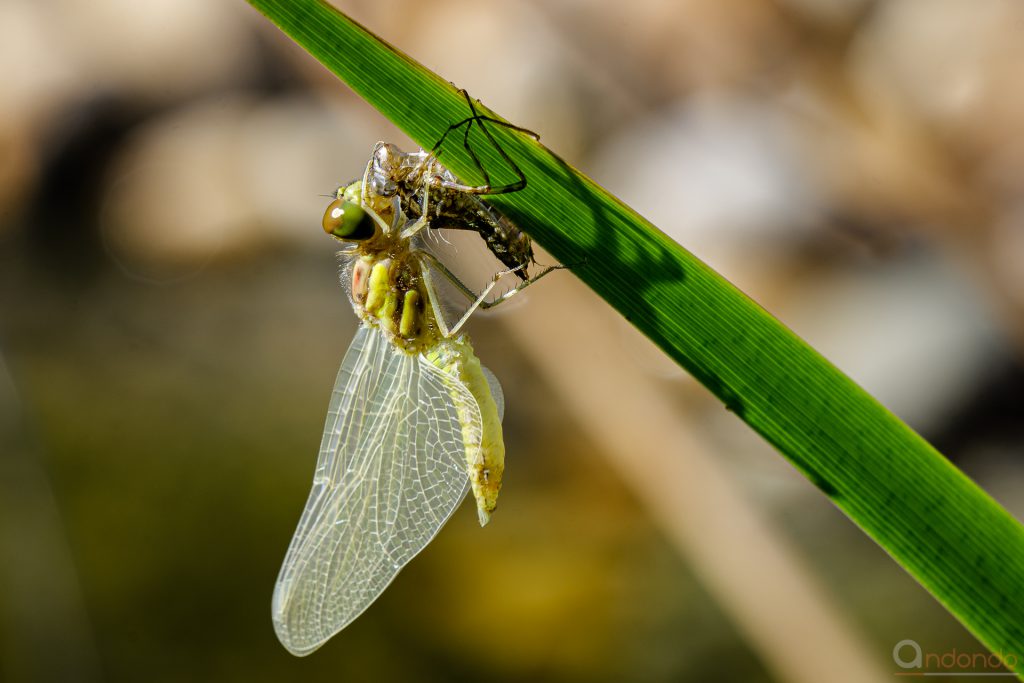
[[496, 393], [391, 471]]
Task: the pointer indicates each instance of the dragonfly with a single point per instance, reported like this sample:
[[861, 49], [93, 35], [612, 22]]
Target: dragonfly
[[413, 424]]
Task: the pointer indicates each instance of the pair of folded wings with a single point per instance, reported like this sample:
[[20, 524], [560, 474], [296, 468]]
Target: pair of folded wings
[[391, 471]]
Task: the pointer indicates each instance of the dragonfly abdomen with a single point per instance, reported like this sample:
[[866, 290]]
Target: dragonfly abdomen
[[482, 436]]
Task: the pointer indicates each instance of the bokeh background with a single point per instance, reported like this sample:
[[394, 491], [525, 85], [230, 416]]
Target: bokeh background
[[170, 326]]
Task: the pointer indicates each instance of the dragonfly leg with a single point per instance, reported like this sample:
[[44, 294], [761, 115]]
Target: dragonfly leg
[[481, 300], [505, 124], [479, 120], [448, 275], [520, 287], [478, 300], [422, 221], [435, 304], [364, 199]]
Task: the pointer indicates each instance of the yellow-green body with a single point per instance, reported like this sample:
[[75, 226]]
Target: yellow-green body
[[485, 457], [387, 290]]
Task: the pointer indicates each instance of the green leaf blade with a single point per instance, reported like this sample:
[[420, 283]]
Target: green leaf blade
[[941, 527]]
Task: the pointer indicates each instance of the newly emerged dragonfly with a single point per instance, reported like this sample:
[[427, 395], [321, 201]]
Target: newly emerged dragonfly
[[414, 421]]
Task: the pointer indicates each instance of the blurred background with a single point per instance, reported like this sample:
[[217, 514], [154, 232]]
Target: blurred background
[[171, 323]]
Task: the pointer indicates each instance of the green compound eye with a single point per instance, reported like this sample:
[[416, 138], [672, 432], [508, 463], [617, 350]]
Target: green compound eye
[[347, 220]]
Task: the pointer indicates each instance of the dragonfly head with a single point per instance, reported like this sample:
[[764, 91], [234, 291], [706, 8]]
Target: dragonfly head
[[346, 219]]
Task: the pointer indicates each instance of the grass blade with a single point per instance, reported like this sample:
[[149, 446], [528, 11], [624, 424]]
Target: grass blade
[[940, 526]]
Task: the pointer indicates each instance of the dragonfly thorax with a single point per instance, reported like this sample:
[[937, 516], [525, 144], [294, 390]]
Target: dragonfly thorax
[[389, 292], [382, 273]]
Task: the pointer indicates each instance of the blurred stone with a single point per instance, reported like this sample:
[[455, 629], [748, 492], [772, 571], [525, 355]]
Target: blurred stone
[[957, 64], [914, 334], [36, 84], [159, 49], [38, 71], [720, 176], [832, 12], [1006, 252], [227, 177]]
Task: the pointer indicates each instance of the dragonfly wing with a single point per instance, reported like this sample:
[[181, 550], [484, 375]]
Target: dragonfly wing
[[391, 472], [496, 393]]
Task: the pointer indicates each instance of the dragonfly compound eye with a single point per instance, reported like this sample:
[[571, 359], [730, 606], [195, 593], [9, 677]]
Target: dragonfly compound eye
[[348, 221]]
